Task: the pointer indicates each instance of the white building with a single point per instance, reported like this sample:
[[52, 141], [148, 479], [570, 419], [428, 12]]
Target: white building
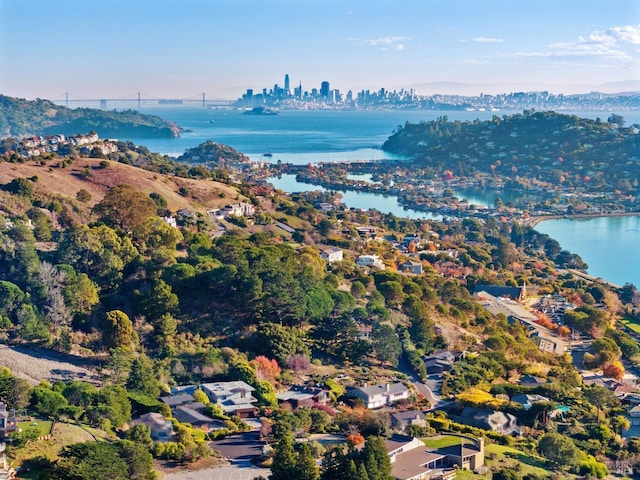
[[332, 255], [370, 261]]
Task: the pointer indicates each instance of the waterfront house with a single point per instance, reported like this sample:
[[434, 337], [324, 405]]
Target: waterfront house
[[377, 396]]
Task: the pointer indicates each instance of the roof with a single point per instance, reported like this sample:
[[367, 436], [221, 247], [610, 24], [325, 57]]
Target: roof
[[188, 415], [152, 420], [410, 464], [500, 291], [179, 399], [526, 398], [299, 392], [409, 415], [382, 388], [227, 388]]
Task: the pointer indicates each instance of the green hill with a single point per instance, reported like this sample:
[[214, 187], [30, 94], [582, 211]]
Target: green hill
[[19, 117]]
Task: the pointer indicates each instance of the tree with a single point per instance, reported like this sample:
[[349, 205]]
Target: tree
[[284, 459], [118, 330], [14, 391], [142, 378], [306, 467], [559, 450], [386, 344], [48, 402], [125, 208]]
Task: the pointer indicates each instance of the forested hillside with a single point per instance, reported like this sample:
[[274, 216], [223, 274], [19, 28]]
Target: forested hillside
[[19, 117]]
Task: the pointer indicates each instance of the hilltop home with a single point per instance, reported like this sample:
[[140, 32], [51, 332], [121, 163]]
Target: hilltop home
[[377, 396], [331, 255], [303, 396], [411, 460], [235, 397]]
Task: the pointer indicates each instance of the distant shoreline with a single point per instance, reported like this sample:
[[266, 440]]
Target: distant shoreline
[[533, 221]]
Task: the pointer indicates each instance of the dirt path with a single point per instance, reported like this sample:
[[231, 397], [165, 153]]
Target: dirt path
[[39, 364]]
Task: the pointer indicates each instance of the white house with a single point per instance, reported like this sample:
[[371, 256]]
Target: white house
[[370, 261], [332, 255], [377, 396]]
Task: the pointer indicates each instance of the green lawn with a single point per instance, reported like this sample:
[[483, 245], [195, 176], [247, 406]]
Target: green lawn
[[44, 426], [507, 456], [632, 324], [442, 441]]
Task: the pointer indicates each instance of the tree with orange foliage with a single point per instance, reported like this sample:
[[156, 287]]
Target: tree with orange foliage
[[355, 439], [266, 369], [564, 331], [614, 369]]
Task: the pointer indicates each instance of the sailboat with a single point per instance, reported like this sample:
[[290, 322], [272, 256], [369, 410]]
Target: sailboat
[[268, 154]]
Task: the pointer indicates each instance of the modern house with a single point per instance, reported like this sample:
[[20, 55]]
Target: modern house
[[377, 396], [499, 422], [634, 415], [332, 255], [161, 428], [303, 396], [411, 267], [514, 293], [441, 361], [528, 400], [401, 420], [370, 261], [411, 460], [234, 397]]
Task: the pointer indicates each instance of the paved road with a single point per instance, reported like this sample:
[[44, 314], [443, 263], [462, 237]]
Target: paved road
[[430, 389], [242, 446], [240, 470]]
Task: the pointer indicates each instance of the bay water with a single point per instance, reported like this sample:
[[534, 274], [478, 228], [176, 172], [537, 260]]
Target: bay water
[[609, 245]]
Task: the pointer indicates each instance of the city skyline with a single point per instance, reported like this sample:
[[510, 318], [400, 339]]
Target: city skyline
[[466, 47]]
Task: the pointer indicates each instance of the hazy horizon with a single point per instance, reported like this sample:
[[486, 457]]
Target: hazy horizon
[[170, 49]]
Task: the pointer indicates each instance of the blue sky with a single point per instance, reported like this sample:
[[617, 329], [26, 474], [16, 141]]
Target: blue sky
[[181, 48]]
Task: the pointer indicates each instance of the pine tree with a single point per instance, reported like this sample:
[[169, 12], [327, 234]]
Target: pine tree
[[284, 459], [306, 467]]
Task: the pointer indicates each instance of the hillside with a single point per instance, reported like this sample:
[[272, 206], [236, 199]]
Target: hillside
[[67, 182], [19, 117]]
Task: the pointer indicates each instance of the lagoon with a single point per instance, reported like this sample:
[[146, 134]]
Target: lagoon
[[608, 245]]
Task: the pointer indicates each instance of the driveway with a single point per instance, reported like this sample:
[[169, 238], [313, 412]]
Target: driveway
[[241, 470], [243, 446]]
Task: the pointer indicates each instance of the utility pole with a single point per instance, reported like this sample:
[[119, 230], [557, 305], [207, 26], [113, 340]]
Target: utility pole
[[138, 100], [203, 106]]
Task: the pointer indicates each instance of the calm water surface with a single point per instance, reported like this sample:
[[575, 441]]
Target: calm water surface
[[608, 245]]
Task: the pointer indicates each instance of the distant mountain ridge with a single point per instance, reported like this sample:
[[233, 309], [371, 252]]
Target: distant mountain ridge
[[20, 117]]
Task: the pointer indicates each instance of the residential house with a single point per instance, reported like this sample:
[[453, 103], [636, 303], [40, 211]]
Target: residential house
[[531, 381], [377, 396], [8, 421], [191, 414], [370, 261], [441, 361], [401, 420], [178, 400], [514, 293], [411, 267], [303, 396], [364, 332], [634, 415], [241, 209], [528, 400], [499, 422], [331, 255], [161, 428], [411, 460], [234, 397]]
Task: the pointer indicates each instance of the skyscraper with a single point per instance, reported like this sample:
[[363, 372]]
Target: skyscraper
[[324, 89], [286, 85]]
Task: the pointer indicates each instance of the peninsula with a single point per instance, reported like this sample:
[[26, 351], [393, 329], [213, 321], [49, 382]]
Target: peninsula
[[24, 118]]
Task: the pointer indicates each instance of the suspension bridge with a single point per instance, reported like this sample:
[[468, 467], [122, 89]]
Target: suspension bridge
[[138, 99]]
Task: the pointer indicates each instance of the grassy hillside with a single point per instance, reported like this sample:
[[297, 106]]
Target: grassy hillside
[[67, 181]]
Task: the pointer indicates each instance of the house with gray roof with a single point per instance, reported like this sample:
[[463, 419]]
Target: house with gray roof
[[377, 396], [500, 422], [234, 397]]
